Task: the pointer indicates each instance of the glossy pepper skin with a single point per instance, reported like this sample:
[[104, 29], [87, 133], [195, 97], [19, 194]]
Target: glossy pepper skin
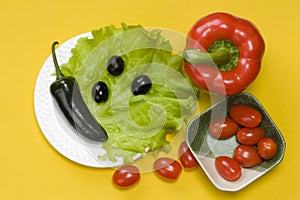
[[244, 35], [66, 93]]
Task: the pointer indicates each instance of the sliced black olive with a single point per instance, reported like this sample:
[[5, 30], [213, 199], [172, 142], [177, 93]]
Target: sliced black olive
[[115, 65], [141, 85], [100, 92]]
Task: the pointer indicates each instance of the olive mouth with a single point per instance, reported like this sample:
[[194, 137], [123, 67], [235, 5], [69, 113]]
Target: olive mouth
[[141, 85]]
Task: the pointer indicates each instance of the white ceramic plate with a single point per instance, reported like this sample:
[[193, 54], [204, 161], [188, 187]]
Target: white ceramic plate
[[58, 131], [52, 122]]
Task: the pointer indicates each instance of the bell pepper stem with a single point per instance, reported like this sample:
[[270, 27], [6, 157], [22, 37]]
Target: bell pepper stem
[[194, 56], [59, 74]]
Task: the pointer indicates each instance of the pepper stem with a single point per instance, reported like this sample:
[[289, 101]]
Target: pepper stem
[[221, 53], [59, 74], [194, 56]]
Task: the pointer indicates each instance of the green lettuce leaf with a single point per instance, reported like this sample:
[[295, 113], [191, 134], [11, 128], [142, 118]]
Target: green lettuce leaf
[[134, 124]]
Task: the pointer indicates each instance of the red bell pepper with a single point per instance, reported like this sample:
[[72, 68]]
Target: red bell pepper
[[223, 53]]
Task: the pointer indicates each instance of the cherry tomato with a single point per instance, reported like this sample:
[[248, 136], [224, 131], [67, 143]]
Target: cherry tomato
[[223, 128], [126, 176], [267, 148], [167, 168], [186, 157], [247, 156], [228, 168], [250, 136], [245, 115]]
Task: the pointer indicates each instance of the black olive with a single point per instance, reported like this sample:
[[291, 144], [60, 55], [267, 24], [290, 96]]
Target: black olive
[[115, 65], [141, 85], [100, 92]]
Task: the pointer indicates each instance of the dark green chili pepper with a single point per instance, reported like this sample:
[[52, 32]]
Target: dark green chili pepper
[[66, 92]]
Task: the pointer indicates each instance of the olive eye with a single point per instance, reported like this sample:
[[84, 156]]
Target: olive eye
[[141, 85], [115, 65], [100, 92]]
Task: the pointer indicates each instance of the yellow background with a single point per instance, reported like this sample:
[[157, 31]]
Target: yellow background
[[31, 169]]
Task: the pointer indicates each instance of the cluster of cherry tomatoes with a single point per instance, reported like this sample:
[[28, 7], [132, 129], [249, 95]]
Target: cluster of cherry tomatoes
[[254, 147], [166, 168]]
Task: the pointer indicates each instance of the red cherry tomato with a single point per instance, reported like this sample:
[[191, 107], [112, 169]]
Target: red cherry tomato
[[223, 128], [126, 176], [267, 148], [245, 115], [186, 157], [247, 156], [167, 168], [250, 136], [228, 168]]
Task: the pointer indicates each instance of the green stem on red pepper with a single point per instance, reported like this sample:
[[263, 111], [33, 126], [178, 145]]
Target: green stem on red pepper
[[221, 53], [194, 56]]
